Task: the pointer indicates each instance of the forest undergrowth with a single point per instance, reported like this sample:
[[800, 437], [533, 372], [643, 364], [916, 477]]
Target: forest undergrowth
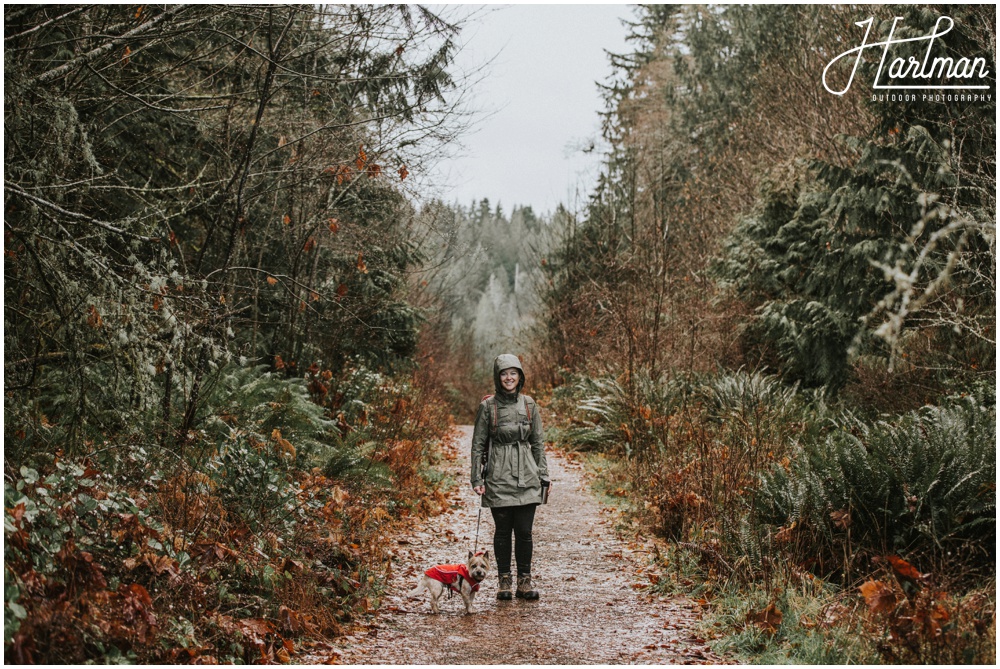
[[255, 538], [808, 534]]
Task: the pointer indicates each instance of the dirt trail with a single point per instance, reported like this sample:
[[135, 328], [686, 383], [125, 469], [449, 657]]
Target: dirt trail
[[592, 607]]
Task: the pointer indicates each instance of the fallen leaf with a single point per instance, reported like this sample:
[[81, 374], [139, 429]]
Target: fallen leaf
[[833, 614], [768, 620], [904, 569], [878, 596], [841, 519], [94, 320]]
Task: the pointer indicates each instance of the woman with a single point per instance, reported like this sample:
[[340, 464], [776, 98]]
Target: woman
[[508, 439]]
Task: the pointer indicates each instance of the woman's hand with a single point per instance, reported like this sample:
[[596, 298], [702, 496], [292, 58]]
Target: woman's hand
[[479, 489]]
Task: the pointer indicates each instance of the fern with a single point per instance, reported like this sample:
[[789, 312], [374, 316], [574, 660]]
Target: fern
[[255, 402], [922, 484], [351, 458]]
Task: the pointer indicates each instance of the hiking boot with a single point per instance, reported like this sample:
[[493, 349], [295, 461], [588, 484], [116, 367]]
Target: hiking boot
[[503, 591], [524, 590]]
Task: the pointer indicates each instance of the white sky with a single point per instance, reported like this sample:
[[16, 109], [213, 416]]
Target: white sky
[[538, 102]]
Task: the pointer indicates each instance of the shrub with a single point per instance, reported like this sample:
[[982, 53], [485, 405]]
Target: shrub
[[923, 485], [252, 403]]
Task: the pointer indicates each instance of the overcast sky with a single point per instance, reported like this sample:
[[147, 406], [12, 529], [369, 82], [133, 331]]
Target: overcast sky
[[539, 104]]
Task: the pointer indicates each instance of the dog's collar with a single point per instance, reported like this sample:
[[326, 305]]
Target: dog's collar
[[475, 584]]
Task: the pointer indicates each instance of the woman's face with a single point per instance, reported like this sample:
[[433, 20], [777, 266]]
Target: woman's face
[[509, 378]]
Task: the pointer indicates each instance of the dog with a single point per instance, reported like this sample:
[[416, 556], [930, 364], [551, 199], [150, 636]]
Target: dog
[[461, 578]]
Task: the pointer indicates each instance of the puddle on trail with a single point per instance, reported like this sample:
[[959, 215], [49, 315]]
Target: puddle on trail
[[592, 608]]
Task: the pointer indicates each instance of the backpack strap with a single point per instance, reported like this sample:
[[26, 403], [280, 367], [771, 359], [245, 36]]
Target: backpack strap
[[491, 404], [528, 403]]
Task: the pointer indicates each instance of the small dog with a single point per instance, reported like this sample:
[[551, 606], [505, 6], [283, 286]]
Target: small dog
[[461, 578]]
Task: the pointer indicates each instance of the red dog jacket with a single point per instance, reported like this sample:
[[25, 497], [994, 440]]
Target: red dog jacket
[[449, 574]]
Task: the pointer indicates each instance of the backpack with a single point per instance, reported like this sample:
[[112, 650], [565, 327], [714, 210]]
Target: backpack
[[491, 404]]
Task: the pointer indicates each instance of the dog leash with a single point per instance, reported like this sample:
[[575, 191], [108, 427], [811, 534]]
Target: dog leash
[[476, 545]]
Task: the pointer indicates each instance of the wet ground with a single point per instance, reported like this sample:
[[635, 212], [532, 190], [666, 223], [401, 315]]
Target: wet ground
[[593, 606]]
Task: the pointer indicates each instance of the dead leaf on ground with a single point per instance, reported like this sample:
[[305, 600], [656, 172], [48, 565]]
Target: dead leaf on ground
[[767, 620], [878, 596], [841, 519], [904, 569], [833, 614]]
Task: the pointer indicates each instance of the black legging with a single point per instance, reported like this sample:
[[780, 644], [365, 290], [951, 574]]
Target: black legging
[[516, 519]]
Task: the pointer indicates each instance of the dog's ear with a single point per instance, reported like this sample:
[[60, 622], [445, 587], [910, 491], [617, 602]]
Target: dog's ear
[[486, 555], [470, 554]]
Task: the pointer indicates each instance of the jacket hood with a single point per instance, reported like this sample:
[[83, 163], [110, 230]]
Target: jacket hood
[[506, 361]]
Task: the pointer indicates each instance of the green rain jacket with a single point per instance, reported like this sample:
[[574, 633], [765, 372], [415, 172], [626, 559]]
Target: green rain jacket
[[517, 464]]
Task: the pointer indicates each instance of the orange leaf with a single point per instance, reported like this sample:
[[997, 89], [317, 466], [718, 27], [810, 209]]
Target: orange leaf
[[403, 173], [341, 290], [94, 320], [156, 303], [362, 267], [841, 519], [374, 170], [271, 280], [878, 596], [138, 12], [334, 225], [904, 569], [314, 296], [310, 244], [286, 219], [284, 445], [768, 620], [278, 362], [785, 534]]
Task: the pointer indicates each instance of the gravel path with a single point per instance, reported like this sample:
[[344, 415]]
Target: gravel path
[[592, 608]]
